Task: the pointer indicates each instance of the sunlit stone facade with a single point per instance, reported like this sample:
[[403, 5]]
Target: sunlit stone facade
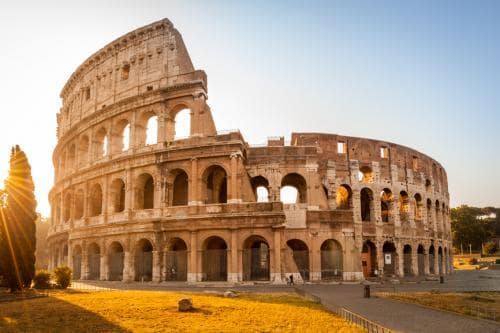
[[134, 201]]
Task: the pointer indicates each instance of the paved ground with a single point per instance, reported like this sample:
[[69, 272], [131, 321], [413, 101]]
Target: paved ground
[[397, 315], [392, 314]]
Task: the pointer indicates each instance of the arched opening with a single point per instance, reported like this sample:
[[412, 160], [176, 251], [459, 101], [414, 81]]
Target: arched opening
[[116, 258], [67, 207], [180, 188], [366, 197], [144, 261], [365, 174], [390, 258], [117, 195], [404, 206], [100, 144], [428, 187], [176, 260], [83, 151], [418, 208], [182, 124], [94, 262], [71, 158], [77, 262], [214, 259], [421, 259], [300, 259], [430, 221], [331, 260], [438, 216], [440, 260], [145, 192], [260, 187], [79, 202], [293, 189], [343, 197], [65, 255], [256, 259], [152, 130], [407, 260], [215, 179], [386, 199], [121, 136], [369, 259], [432, 269], [95, 200]]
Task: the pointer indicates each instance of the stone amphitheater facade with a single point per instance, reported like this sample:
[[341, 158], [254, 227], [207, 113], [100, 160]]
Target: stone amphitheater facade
[[128, 204]]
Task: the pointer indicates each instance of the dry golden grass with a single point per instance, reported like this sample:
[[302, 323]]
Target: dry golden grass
[[482, 304], [149, 311]]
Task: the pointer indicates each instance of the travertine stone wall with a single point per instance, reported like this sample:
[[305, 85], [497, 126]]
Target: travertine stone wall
[[129, 203]]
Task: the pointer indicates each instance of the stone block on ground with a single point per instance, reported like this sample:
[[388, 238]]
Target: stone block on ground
[[185, 305]]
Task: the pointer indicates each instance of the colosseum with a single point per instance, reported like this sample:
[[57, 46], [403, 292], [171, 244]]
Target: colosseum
[[134, 200]]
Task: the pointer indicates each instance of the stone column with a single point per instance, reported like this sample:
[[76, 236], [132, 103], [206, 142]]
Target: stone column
[[162, 125], [351, 257], [104, 267], [276, 273], [400, 260], [233, 195], [193, 272], [157, 266], [70, 257], [436, 261], [129, 190], [314, 260], [414, 261], [233, 274], [380, 258], [85, 264], [193, 192], [128, 269], [426, 260]]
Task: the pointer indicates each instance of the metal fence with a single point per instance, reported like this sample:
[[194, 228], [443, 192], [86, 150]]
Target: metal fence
[[176, 266], [256, 264], [214, 265], [361, 321]]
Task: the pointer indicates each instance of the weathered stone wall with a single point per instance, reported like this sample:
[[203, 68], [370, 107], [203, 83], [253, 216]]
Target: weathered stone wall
[[199, 193]]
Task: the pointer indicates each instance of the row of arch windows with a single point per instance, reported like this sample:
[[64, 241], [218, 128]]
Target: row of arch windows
[[120, 139], [214, 178], [256, 259]]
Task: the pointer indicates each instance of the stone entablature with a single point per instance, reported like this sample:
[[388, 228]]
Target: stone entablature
[[134, 201]]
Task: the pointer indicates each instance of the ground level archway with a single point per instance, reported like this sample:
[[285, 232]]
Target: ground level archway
[[214, 259], [331, 260], [256, 259]]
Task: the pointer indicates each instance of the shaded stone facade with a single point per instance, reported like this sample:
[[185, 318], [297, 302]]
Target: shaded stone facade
[[133, 201]]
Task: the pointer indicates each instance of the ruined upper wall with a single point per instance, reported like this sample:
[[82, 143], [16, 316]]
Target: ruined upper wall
[[365, 151], [148, 58]]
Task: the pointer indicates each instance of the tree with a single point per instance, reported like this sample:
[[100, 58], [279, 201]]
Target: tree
[[18, 241], [469, 226]]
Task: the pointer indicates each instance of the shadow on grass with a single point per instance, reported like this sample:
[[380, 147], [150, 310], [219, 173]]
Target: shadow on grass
[[50, 314]]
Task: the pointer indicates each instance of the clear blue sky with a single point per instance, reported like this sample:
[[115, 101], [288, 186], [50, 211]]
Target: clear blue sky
[[424, 74]]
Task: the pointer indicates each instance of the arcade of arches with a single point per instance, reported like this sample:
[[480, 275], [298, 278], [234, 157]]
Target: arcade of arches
[[146, 188]]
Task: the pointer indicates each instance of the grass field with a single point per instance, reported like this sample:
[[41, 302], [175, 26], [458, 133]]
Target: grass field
[[482, 304], [144, 311]]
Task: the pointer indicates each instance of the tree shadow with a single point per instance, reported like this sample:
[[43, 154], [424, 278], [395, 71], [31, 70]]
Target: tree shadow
[[50, 314]]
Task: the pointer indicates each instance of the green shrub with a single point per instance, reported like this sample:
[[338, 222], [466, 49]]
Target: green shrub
[[42, 279], [63, 276], [490, 248]]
